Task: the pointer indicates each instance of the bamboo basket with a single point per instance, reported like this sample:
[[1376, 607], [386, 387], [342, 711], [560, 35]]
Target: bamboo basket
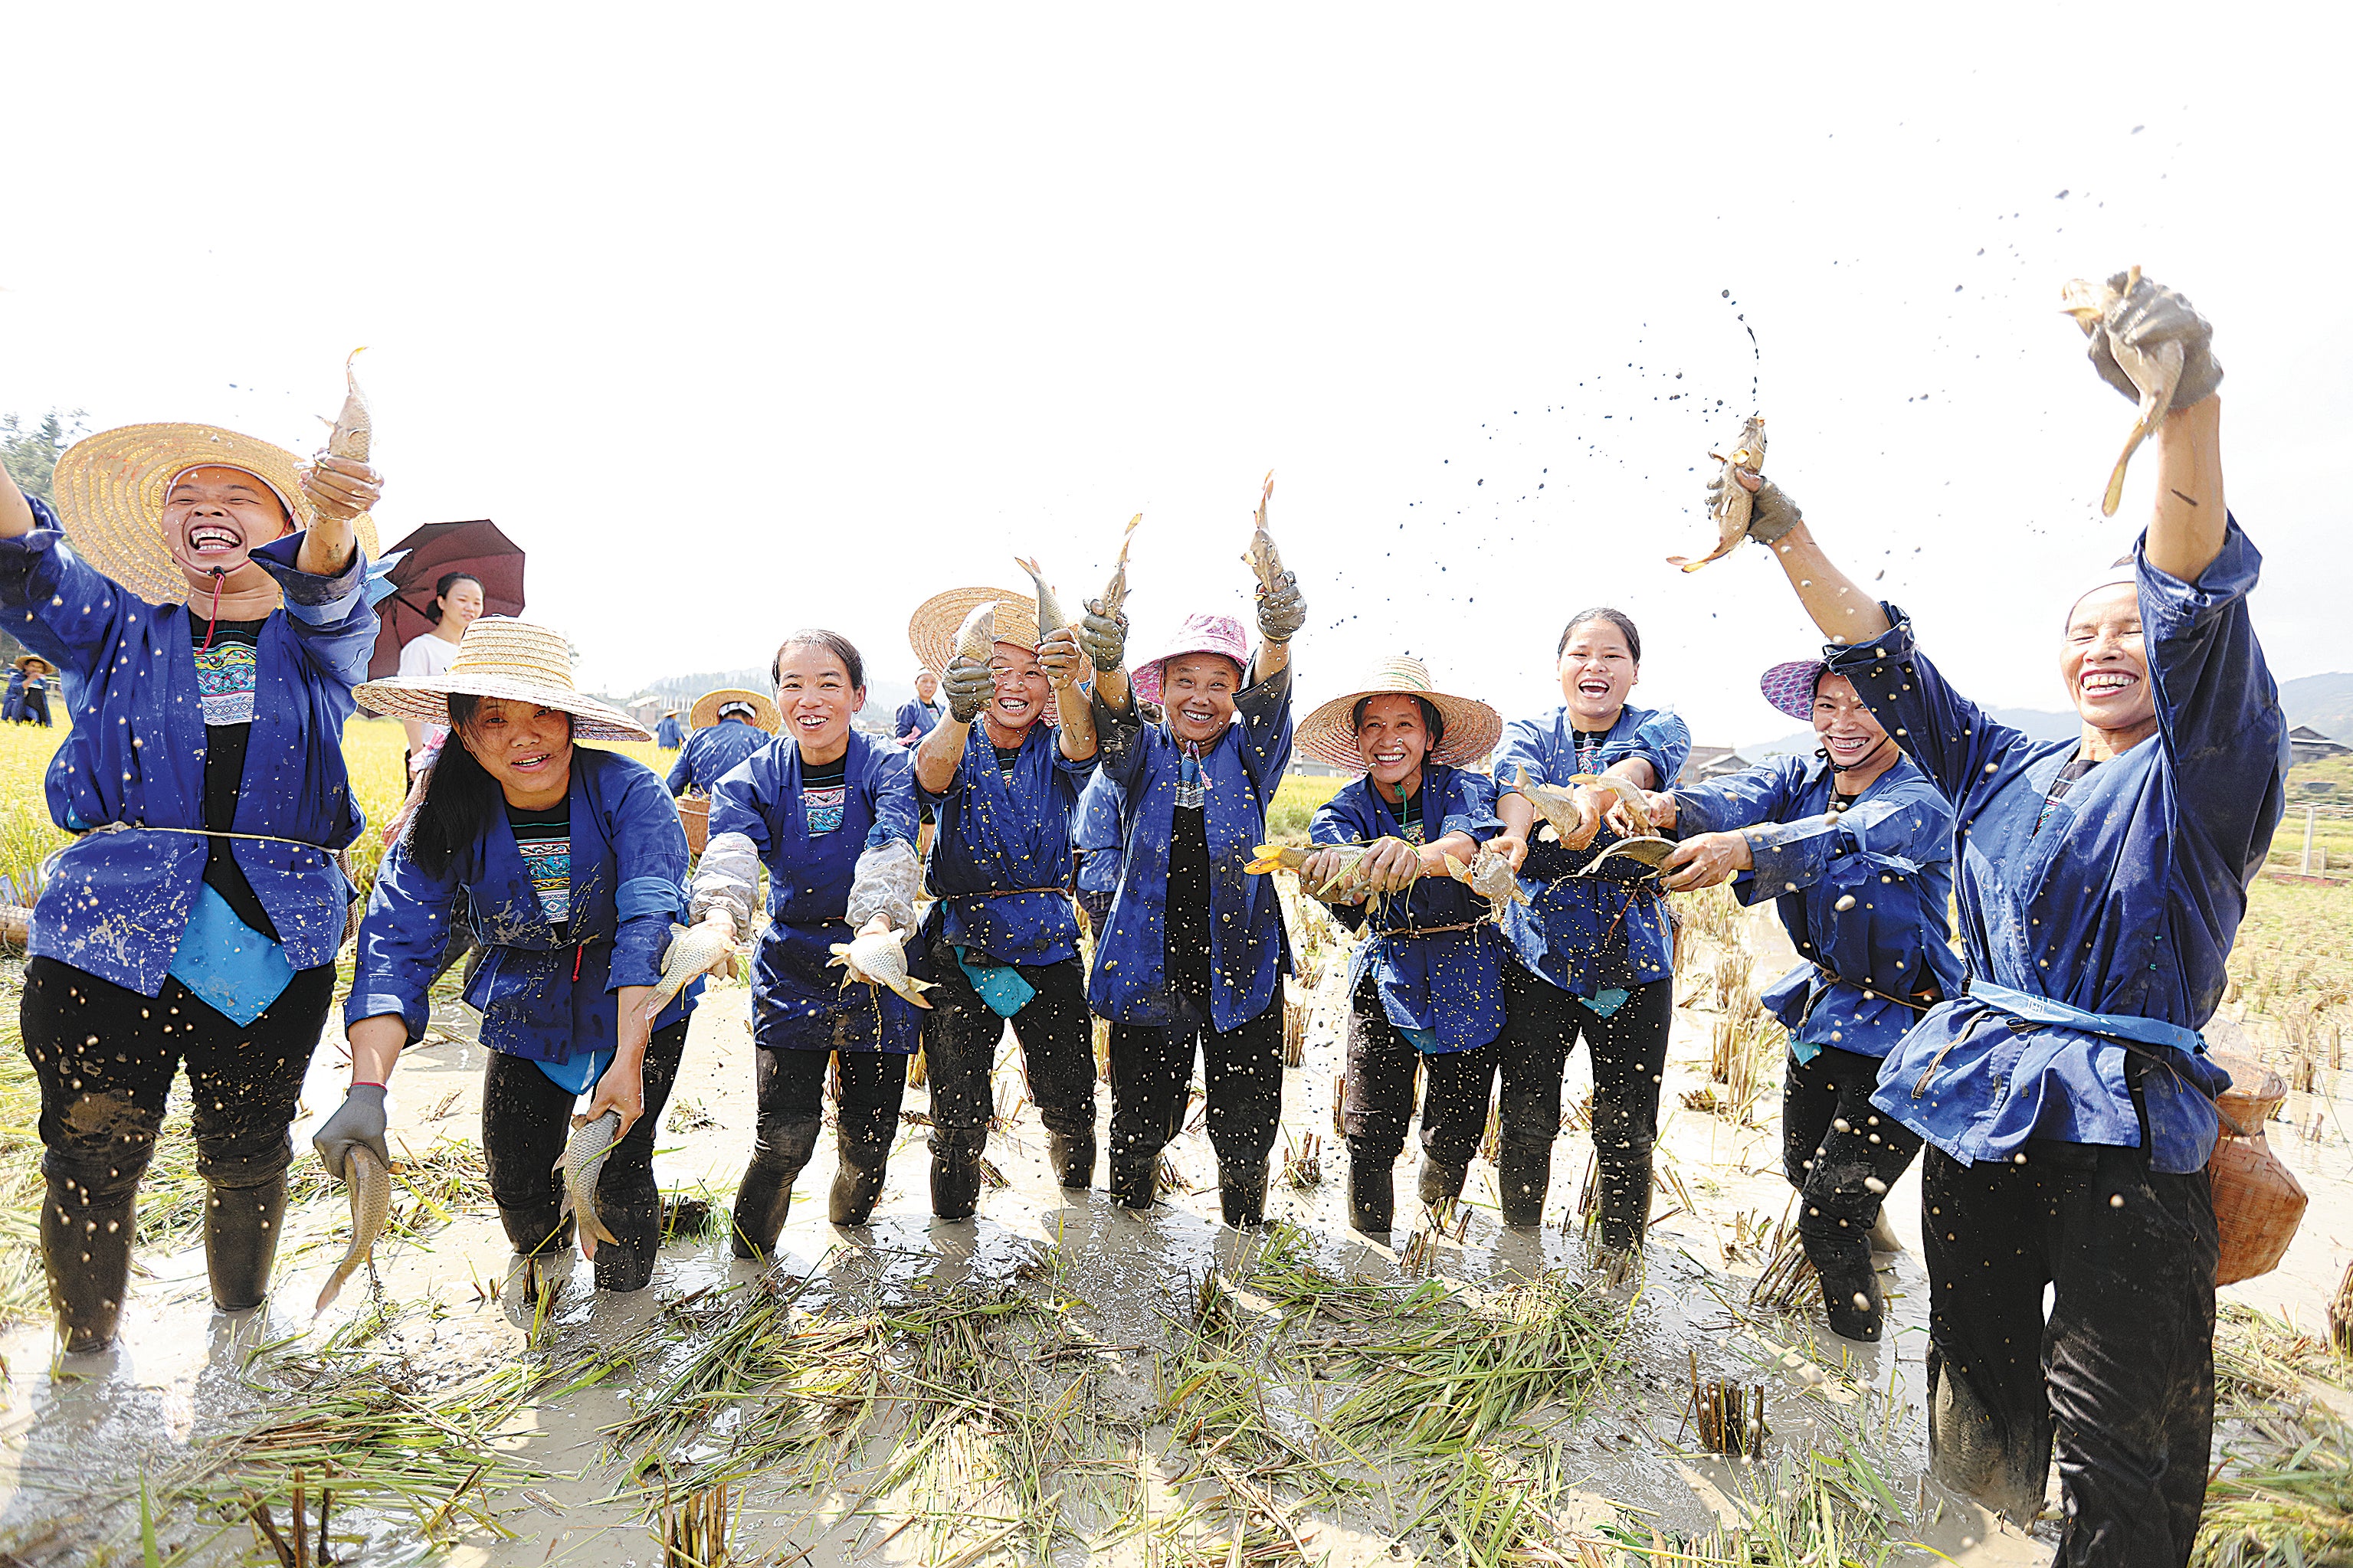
[[2258, 1202], [16, 928], [695, 815]]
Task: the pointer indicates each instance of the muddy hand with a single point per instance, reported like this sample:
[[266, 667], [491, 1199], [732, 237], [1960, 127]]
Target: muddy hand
[[968, 686], [1061, 656], [1512, 848], [1705, 861], [1103, 639], [2143, 318], [622, 1091], [1659, 808], [342, 487], [1282, 612], [1771, 513], [1391, 865]]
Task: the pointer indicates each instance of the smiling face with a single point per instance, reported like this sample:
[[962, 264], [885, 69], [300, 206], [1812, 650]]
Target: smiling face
[[1197, 690], [1597, 671], [216, 518], [1394, 738], [2106, 664], [1022, 694], [461, 606], [927, 686], [527, 748], [813, 693], [1848, 731]]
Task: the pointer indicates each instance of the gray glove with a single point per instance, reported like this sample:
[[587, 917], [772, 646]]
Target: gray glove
[[968, 686], [2148, 315], [1103, 639], [1282, 613], [885, 882], [1772, 510], [359, 1120], [727, 877]]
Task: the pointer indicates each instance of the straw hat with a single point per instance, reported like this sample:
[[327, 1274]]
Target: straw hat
[[501, 657], [931, 629], [26, 660], [1329, 734], [1220, 635], [109, 496], [707, 706]]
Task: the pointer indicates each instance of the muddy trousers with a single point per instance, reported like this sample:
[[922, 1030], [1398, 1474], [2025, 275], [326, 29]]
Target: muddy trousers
[[1456, 1086], [527, 1122], [1542, 1024], [1057, 1057], [791, 1088], [105, 1056], [2122, 1376], [1835, 1144], [1151, 1071]]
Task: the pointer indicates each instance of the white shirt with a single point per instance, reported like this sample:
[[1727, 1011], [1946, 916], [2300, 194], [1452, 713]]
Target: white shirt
[[429, 655]]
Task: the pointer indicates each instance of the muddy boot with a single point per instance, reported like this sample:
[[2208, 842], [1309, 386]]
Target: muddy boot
[[1241, 1193], [1966, 1451], [858, 1180], [1134, 1176], [86, 1248], [1441, 1181], [1850, 1285], [1372, 1193], [955, 1172], [1622, 1201], [626, 1263], [1522, 1173], [766, 1194], [1073, 1155], [241, 1227], [1882, 1235]]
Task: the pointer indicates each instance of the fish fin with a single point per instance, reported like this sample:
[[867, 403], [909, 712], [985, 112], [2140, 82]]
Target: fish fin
[[1457, 870], [328, 1292]]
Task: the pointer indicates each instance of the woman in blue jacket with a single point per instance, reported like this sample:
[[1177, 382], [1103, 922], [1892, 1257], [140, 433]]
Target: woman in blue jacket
[[830, 812], [1425, 987], [1856, 847], [571, 865], [2067, 1100]]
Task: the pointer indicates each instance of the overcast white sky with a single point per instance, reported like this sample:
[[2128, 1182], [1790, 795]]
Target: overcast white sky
[[743, 319]]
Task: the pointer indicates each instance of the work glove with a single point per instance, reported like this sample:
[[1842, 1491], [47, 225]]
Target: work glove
[[358, 1120], [1103, 638], [968, 686], [1772, 511], [1282, 612], [2147, 315]]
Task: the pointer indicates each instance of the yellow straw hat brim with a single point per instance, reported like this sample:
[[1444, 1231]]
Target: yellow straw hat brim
[[506, 658], [931, 629], [707, 706], [109, 490], [1329, 734]]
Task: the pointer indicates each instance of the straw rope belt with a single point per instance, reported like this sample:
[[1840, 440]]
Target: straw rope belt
[[202, 833], [1438, 931], [1832, 975], [1005, 892]]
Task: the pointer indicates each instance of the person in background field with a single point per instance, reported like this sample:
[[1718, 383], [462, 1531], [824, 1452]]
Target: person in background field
[[2067, 1098], [830, 811], [920, 714], [1596, 954], [28, 700], [570, 863], [668, 734], [1003, 937], [730, 724], [1095, 844], [1856, 846], [457, 604], [212, 614], [1425, 987], [1193, 952]]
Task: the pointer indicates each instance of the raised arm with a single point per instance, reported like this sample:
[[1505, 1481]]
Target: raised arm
[[16, 511]]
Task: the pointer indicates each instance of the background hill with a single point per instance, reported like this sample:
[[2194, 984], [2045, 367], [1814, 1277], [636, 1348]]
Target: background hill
[[2323, 702]]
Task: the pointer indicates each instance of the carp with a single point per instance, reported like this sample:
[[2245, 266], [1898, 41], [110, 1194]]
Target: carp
[[584, 1162], [693, 952], [1557, 806], [1051, 619], [2156, 370], [1733, 501], [1114, 594], [1490, 876], [370, 1185], [878, 956], [1263, 558], [977, 638], [1628, 795]]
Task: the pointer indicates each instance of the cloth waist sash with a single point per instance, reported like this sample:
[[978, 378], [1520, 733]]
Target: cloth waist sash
[[2124, 1028]]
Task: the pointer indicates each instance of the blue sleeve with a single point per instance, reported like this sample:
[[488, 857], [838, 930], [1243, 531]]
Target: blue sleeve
[[1474, 812], [1119, 740], [400, 942], [1765, 793], [1898, 832], [893, 783], [1947, 737], [743, 796], [1526, 745], [333, 623], [1265, 710], [1340, 820], [1663, 739], [57, 603], [649, 849], [681, 772]]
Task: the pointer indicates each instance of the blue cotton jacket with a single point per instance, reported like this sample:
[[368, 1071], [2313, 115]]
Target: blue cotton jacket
[[1095, 838], [996, 834], [1449, 983], [1240, 774], [917, 716], [1609, 930], [1888, 859], [544, 997], [666, 734], [797, 1003], [2120, 910], [713, 751], [117, 902]]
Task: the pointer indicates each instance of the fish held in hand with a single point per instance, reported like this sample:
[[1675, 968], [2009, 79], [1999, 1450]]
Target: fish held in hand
[[370, 1185], [1263, 558], [1114, 594], [878, 955], [2156, 370], [690, 954], [584, 1162], [353, 428], [1732, 501], [1051, 619], [1628, 795], [1490, 876], [1648, 851], [977, 638], [1557, 806]]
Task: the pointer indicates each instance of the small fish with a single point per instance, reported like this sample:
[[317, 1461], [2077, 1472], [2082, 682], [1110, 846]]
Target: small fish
[[1114, 594], [1051, 619], [1489, 874], [1649, 851], [977, 638], [2155, 371], [584, 1162], [1555, 804], [1733, 501], [1292, 857], [370, 1185], [1263, 558], [353, 428], [878, 957], [690, 954], [1627, 791]]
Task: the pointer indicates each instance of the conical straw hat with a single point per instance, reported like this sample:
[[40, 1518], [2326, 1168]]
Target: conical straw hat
[[1329, 734], [109, 491], [707, 706], [931, 629], [501, 657]]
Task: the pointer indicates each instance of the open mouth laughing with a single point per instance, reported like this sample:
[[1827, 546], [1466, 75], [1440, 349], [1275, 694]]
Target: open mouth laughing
[[207, 538]]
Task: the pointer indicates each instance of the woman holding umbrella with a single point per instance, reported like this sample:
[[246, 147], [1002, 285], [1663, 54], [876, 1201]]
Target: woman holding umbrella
[[457, 602]]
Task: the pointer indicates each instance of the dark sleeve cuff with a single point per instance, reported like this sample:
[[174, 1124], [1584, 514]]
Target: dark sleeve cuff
[[311, 599]]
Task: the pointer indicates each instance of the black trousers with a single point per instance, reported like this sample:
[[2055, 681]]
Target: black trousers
[[1834, 1144], [1542, 1024], [791, 1088], [1456, 1086], [2122, 1376], [1058, 1050], [105, 1056], [1151, 1068], [526, 1122]]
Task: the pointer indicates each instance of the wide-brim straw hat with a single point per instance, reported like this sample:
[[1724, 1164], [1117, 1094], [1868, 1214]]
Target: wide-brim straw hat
[[1220, 635], [110, 489], [501, 657], [931, 629], [1329, 734], [26, 660], [707, 706], [1791, 686]]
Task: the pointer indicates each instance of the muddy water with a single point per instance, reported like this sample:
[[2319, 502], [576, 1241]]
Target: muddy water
[[81, 1434]]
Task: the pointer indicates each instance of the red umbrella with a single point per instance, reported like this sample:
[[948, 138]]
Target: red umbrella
[[477, 548]]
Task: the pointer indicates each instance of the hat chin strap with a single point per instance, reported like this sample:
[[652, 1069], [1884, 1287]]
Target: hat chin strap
[[212, 621]]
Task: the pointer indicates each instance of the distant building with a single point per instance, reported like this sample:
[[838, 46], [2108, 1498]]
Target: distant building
[[1700, 763], [648, 710], [2312, 746]]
